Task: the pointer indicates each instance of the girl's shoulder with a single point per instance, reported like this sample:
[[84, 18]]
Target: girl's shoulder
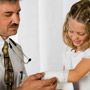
[[87, 50]]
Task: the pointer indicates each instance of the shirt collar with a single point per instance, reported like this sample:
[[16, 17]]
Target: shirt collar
[[2, 43]]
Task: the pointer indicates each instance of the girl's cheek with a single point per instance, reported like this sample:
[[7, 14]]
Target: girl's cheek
[[70, 35]]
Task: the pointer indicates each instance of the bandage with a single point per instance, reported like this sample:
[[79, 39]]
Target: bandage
[[61, 76]]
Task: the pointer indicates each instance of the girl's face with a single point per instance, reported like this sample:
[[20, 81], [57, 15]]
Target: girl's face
[[77, 33]]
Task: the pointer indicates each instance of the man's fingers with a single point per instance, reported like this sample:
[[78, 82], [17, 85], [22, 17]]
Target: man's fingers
[[51, 87], [37, 76], [49, 81], [43, 83]]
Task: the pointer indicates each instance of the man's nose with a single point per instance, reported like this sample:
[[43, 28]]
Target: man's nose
[[16, 19]]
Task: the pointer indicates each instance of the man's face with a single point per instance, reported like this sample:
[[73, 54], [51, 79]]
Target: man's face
[[9, 19]]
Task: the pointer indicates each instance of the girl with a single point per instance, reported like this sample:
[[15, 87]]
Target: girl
[[76, 35]]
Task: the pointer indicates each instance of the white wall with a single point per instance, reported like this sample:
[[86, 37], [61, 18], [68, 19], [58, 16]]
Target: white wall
[[50, 29], [40, 33], [28, 35]]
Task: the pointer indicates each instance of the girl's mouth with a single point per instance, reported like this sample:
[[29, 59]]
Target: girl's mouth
[[76, 41]]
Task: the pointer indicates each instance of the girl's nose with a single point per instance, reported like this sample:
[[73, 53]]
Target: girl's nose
[[75, 36]]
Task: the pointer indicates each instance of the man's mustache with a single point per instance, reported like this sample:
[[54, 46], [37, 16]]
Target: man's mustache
[[13, 25]]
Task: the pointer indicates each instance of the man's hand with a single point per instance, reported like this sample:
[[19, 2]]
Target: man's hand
[[34, 82]]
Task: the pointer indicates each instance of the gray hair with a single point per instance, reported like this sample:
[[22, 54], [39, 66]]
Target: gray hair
[[11, 1]]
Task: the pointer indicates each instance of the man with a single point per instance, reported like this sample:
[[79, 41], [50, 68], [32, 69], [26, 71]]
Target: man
[[10, 76]]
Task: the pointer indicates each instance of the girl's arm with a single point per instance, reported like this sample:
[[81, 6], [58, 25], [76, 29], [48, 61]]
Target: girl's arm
[[72, 75], [81, 69]]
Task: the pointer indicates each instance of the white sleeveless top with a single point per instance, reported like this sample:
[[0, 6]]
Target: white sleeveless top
[[71, 60]]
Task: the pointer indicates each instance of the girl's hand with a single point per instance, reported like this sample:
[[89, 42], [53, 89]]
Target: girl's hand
[[63, 67]]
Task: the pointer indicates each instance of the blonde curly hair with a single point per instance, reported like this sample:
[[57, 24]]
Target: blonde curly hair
[[79, 11]]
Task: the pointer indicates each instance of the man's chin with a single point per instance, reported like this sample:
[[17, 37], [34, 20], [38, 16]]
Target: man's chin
[[14, 33]]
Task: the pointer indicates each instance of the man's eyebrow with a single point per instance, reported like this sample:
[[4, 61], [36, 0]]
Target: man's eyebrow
[[19, 10], [12, 11]]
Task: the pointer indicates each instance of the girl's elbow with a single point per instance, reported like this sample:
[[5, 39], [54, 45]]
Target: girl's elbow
[[75, 77]]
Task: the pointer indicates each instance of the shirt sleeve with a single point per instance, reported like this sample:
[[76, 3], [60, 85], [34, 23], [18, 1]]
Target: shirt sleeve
[[86, 54], [67, 59]]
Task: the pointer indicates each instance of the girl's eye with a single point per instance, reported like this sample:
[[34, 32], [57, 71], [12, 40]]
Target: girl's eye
[[81, 34], [70, 31]]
